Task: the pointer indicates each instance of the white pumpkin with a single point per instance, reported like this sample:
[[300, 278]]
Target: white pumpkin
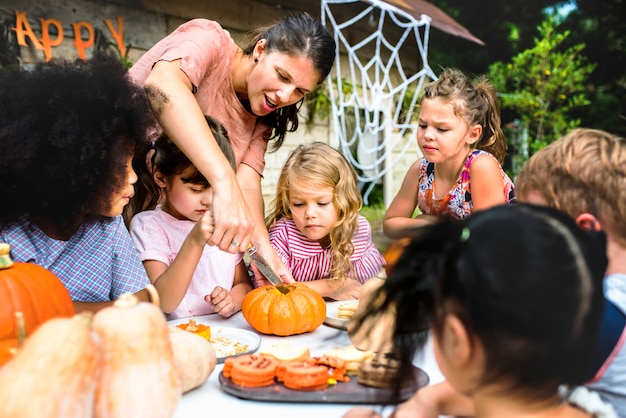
[[139, 378], [194, 357]]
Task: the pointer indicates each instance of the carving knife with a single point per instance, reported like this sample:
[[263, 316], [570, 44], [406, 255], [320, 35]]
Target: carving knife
[[263, 267]]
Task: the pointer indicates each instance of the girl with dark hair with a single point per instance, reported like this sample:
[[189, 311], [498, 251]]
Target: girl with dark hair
[[194, 278], [513, 298], [68, 131], [255, 92]]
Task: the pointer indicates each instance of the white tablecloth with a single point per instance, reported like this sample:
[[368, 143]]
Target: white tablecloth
[[210, 400]]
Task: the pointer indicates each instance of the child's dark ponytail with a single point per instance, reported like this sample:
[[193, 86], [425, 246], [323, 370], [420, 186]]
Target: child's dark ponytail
[[165, 155], [408, 292], [147, 192]]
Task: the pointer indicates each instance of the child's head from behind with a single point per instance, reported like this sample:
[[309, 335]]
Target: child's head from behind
[[68, 130], [525, 283], [582, 172], [513, 295], [186, 191], [475, 102]]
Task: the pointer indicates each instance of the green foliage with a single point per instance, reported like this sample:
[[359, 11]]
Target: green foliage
[[318, 101], [542, 86]]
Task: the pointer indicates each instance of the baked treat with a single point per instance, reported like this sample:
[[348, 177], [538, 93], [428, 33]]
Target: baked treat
[[303, 375], [346, 310], [351, 356], [283, 351], [336, 367], [251, 370], [380, 372]]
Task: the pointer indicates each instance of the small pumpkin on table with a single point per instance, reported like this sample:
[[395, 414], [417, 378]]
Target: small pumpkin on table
[[30, 295], [284, 309]]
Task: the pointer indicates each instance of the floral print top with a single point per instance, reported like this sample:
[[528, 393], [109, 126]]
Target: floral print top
[[457, 202]]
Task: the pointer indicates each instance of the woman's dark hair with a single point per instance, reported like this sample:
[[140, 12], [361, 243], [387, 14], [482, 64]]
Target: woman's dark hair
[[524, 280], [296, 35], [170, 161], [66, 131]]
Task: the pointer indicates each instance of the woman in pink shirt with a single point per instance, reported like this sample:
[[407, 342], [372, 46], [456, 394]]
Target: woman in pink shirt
[[254, 92]]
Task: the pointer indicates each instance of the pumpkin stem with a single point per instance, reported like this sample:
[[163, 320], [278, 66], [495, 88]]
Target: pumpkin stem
[[154, 295], [20, 323], [85, 317], [193, 327], [283, 289], [126, 300], [5, 256]]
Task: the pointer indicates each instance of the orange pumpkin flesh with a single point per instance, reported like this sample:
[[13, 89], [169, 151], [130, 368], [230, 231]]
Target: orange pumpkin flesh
[[286, 309], [32, 290]]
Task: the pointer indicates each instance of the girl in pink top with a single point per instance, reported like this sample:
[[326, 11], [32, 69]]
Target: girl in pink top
[[315, 226], [195, 278], [463, 148]]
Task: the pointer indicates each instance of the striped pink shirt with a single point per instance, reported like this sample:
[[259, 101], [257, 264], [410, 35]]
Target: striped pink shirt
[[307, 260]]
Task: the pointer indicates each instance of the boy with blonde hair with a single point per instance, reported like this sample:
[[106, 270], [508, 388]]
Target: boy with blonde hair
[[584, 175]]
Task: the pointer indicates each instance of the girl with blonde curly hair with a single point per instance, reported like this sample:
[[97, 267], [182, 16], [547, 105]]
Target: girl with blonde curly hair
[[315, 226]]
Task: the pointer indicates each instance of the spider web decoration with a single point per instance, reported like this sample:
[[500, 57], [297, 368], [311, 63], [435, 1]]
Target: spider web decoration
[[373, 95]]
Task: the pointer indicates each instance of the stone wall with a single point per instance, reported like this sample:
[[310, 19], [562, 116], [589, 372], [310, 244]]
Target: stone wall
[[143, 23]]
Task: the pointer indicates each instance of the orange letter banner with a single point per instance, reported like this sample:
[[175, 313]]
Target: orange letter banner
[[78, 40], [22, 28], [117, 35], [45, 36]]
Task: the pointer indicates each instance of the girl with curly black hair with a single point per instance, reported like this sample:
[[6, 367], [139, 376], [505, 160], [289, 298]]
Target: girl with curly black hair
[[68, 131]]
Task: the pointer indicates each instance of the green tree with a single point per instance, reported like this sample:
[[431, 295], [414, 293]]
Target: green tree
[[601, 26], [506, 28], [542, 86]]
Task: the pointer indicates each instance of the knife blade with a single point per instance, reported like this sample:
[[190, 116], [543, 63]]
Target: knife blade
[[263, 267]]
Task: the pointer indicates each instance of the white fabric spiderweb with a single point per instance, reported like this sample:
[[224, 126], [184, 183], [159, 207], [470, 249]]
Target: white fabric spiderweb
[[373, 94]]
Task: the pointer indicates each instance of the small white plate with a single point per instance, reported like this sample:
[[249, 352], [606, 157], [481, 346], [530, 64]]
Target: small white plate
[[232, 342], [229, 342], [332, 316]]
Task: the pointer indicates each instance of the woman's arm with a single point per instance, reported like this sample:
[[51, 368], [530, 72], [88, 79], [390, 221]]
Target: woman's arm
[[250, 182], [175, 107]]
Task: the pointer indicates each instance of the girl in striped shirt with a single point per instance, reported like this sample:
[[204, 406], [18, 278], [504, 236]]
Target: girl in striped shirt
[[315, 226]]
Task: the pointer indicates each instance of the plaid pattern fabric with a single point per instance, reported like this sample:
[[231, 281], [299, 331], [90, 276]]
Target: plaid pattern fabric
[[97, 264]]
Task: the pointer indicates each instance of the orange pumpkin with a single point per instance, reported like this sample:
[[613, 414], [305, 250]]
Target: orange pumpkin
[[32, 290], [285, 309]]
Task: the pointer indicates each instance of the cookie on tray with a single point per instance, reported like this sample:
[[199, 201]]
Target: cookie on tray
[[381, 371], [303, 375], [251, 370]]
